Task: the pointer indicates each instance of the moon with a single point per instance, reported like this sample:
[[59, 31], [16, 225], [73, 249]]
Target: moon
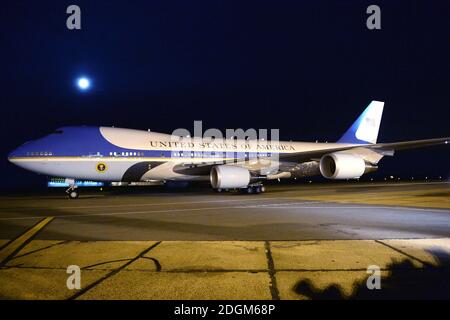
[[83, 83]]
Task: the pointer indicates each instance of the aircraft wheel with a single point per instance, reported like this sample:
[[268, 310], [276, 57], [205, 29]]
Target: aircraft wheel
[[73, 194]]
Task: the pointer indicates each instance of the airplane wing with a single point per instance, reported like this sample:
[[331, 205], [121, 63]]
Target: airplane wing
[[286, 161], [381, 148], [291, 159], [409, 144]]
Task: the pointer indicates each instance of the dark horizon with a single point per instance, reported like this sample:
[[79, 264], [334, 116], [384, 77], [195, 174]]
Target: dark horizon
[[308, 69]]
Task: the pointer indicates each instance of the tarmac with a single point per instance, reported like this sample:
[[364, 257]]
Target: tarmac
[[309, 241]]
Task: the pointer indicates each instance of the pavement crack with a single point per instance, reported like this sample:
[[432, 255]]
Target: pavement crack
[[157, 264], [112, 273], [40, 249], [271, 268], [405, 254], [105, 262]]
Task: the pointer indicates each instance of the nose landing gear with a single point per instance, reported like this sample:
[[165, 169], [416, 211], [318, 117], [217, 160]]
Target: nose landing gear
[[72, 191]]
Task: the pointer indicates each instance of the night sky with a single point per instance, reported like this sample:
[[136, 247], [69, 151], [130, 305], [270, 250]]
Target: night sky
[[308, 68]]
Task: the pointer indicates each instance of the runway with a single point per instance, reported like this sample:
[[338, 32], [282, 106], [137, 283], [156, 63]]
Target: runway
[[306, 212], [308, 241]]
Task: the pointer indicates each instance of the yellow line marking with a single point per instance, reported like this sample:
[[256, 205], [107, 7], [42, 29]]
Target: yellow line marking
[[18, 243]]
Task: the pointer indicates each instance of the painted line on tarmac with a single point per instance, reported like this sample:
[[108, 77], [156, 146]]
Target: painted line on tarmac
[[16, 245], [332, 207], [381, 207], [172, 203], [368, 185], [233, 207], [149, 211]]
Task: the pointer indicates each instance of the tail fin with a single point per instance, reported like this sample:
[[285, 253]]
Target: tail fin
[[365, 128]]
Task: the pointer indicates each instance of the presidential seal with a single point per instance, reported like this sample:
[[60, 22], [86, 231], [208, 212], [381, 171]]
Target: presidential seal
[[101, 167]]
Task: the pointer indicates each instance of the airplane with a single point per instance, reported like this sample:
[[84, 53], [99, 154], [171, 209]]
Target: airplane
[[109, 154]]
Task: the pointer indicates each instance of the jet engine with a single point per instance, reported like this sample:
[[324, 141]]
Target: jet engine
[[344, 166], [229, 177]]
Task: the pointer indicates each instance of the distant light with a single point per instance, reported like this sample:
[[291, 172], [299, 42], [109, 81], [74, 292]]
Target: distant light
[[83, 83]]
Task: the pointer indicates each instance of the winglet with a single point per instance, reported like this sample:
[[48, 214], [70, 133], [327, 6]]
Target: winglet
[[365, 129]]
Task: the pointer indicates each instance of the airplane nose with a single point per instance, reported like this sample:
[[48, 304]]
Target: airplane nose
[[13, 154], [17, 153]]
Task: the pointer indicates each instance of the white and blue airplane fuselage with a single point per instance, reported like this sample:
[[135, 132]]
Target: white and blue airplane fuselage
[[117, 154]]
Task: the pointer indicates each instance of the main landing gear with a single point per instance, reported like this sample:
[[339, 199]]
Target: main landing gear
[[251, 189], [257, 188]]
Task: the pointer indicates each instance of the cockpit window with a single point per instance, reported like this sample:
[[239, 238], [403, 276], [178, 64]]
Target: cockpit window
[[58, 132]]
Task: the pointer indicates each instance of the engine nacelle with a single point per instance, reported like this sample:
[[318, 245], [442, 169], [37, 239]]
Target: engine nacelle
[[343, 166], [229, 177]]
